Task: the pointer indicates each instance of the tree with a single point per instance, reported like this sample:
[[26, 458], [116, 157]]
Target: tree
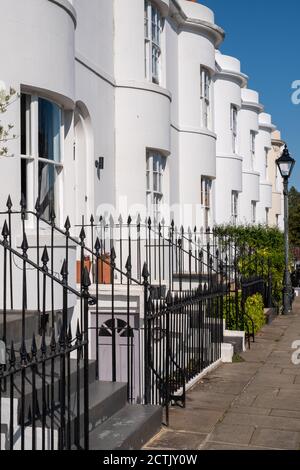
[[6, 98], [294, 216]]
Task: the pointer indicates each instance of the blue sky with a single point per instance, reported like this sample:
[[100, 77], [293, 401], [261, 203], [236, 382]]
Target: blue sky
[[264, 35]]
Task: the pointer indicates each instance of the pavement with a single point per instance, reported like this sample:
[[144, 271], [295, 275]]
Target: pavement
[[248, 405]]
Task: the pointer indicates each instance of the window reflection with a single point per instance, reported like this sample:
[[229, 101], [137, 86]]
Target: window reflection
[[49, 130]]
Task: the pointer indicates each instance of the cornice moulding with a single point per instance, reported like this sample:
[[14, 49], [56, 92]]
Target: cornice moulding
[[212, 31]]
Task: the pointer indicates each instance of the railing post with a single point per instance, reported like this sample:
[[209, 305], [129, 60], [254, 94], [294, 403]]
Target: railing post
[[169, 354], [85, 293], [114, 352], [147, 345], [97, 250], [9, 211], [129, 352], [5, 234]]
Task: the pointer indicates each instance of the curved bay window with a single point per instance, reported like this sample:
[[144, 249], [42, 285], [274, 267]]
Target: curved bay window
[[153, 29], [41, 152]]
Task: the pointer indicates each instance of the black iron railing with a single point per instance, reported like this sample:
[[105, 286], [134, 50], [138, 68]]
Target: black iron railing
[[154, 291], [37, 410]]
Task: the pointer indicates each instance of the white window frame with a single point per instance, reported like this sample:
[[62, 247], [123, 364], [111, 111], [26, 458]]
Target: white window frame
[[252, 148], [253, 212], [33, 159], [234, 126], [205, 96], [153, 26], [234, 206], [155, 168], [206, 195]]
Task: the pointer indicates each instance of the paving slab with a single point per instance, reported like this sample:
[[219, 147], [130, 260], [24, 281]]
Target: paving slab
[[276, 439], [233, 446], [188, 420], [286, 413], [250, 405], [269, 422], [238, 434], [250, 410]]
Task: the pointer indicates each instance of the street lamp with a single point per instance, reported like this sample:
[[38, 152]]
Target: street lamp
[[286, 164]]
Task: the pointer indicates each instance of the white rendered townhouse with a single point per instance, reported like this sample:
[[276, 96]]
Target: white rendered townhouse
[[192, 38], [276, 213], [263, 147], [249, 128], [229, 182]]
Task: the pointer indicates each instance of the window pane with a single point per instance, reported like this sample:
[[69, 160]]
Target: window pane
[[47, 179], [25, 124], [24, 178], [49, 130], [155, 182], [146, 20]]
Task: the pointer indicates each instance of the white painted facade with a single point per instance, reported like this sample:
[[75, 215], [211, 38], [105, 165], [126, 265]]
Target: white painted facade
[[93, 60], [228, 102]]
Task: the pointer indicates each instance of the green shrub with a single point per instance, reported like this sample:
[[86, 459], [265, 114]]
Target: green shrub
[[267, 244], [254, 308]]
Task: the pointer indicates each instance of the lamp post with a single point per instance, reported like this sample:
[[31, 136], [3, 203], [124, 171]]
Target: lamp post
[[286, 164]]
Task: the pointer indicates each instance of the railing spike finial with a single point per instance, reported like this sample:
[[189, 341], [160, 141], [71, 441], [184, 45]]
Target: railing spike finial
[[64, 270], [129, 220], [24, 245], [120, 219], [5, 231], [97, 246], [92, 219], [138, 220], [67, 225], [82, 235], [149, 222], [45, 256], [9, 203]]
